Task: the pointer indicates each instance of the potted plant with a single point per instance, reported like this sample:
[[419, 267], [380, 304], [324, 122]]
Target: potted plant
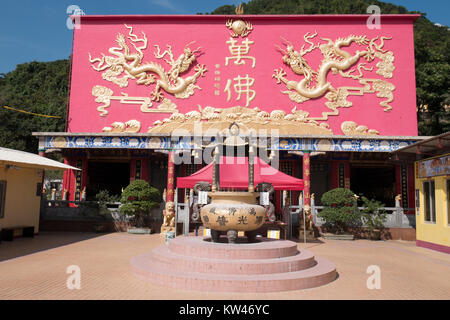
[[339, 212], [373, 217], [137, 200]]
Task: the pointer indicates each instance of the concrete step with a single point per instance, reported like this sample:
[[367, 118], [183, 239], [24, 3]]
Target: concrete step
[[320, 274], [264, 249], [188, 263]]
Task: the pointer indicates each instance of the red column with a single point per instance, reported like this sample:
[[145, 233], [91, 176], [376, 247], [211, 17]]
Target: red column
[[170, 177], [334, 176], [306, 180], [68, 180]]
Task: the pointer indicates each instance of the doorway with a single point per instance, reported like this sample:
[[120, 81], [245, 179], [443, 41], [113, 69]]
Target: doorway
[[107, 175], [374, 183]]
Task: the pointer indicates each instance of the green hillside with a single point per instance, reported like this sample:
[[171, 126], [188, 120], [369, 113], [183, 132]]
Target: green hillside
[[37, 87]]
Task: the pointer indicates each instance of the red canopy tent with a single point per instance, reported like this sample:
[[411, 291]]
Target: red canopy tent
[[234, 174]]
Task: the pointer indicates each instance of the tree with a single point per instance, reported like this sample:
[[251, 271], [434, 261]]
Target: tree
[[37, 87], [340, 210], [137, 200]]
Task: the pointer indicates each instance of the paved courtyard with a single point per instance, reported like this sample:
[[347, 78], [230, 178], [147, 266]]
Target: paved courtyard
[[37, 269]]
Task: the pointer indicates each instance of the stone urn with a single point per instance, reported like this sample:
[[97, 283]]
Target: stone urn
[[233, 212]]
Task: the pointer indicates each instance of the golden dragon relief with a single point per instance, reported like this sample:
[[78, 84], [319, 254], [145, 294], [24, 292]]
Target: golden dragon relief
[[339, 61], [123, 65]]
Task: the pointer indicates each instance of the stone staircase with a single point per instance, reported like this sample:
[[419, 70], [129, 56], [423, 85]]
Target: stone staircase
[[195, 263]]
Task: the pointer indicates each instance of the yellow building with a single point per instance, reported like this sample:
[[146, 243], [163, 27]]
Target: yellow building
[[432, 184], [21, 178]]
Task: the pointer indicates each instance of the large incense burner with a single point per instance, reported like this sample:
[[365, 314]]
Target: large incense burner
[[233, 211]]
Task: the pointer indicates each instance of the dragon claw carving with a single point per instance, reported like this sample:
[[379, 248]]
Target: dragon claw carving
[[279, 75], [200, 69], [157, 95]]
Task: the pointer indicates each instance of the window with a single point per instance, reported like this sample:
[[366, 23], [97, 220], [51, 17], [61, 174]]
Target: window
[[2, 197], [429, 201]]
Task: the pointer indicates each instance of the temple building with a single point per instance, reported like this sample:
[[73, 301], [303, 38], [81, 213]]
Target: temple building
[[327, 96]]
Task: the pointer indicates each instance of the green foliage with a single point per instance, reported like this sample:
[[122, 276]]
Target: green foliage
[[138, 198], [340, 210], [431, 50], [432, 55], [103, 197], [372, 215], [38, 87]]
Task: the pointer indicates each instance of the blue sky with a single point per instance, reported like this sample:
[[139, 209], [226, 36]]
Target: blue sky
[[36, 30]]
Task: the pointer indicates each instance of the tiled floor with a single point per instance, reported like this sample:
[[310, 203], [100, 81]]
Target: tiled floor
[[37, 269]]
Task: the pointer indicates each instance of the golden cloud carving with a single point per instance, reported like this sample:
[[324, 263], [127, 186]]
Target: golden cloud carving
[[351, 128], [216, 120], [133, 126]]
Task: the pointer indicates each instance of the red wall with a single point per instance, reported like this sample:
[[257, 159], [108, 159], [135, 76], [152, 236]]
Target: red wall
[[98, 34]]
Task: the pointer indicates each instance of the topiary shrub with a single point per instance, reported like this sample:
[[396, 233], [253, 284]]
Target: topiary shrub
[[340, 210], [137, 200]]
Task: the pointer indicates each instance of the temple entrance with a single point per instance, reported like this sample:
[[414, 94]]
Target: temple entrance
[[319, 181], [158, 174], [107, 175], [374, 183]]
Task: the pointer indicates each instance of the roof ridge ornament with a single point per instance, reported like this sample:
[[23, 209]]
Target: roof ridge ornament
[[239, 9]]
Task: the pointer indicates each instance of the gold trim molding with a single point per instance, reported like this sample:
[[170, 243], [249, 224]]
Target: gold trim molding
[[215, 120]]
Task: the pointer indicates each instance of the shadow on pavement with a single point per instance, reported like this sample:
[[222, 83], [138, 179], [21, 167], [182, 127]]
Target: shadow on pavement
[[45, 240]]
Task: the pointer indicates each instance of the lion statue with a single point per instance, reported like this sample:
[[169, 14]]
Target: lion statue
[[169, 218]]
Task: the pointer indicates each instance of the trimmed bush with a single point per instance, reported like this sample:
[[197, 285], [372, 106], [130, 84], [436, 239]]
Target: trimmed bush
[[137, 200], [340, 209]]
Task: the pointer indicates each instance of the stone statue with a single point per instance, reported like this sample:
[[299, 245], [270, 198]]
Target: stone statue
[[169, 218], [308, 218]]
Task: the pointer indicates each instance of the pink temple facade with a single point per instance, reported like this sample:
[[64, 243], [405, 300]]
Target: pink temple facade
[[121, 60], [339, 93]]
